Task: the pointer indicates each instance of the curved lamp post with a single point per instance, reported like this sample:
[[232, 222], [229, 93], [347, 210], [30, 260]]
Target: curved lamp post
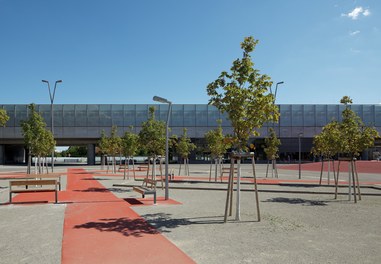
[[51, 111], [165, 101]]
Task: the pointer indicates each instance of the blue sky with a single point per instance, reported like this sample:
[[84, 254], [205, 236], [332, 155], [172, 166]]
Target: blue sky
[[125, 52]]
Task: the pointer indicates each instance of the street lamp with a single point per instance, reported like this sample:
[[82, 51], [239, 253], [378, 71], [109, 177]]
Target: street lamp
[[300, 155], [276, 89], [51, 111], [165, 101]]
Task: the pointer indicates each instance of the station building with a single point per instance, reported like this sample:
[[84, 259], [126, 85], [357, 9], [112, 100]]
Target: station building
[[81, 124]]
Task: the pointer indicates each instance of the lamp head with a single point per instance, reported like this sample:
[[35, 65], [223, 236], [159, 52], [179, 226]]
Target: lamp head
[[161, 100], [59, 81], [45, 81]]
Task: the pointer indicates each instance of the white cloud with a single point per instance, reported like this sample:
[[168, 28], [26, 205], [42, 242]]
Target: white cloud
[[355, 13], [366, 12], [354, 33]]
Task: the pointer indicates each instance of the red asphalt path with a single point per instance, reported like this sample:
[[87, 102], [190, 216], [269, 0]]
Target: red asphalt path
[[362, 166], [102, 228]]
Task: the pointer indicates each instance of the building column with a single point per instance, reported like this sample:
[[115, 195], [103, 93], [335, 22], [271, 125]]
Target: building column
[[2, 157], [90, 154]]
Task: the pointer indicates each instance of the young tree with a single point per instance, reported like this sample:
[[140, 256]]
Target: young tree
[[114, 145], [217, 145], [355, 137], [184, 148], [3, 117], [243, 94], [130, 142], [37, 139], [272, 145], [152, 137], [103, 145], [327, 145], [272, 149]]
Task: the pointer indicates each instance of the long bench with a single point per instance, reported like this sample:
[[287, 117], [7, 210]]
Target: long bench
[[144, 190], [143, 167], [27, 183], [123, 167]]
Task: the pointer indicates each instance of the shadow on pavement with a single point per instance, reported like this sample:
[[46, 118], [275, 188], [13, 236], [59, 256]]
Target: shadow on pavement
[[103, 190], [296, 201], [125, 226]]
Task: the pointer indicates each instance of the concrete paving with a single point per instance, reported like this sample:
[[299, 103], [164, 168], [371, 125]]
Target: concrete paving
[[299, 223]]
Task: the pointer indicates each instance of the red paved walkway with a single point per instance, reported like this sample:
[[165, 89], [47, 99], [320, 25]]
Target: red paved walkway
[[362, 166], [101, 228]]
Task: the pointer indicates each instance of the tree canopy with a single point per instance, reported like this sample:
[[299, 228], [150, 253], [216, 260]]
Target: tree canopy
[[350, 136], [272, 145], [37, 138], [152, 135], [355, 137], [217, 143], [130, 142], [184, 145], [243, 94], [327, 143], [3, 117], [111, 145]]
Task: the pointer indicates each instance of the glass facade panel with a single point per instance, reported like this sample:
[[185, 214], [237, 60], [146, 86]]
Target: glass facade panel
[[105, 115], [341, 109], [68, 115], [201, 115], [368, 115], [213, 116], [358, 110], [332, 113], [21, 114], [321, 115], [129, 115], [285, 132], [117, 115], [309, 115], [141, 114], [177, 118], [285, 115], [297, 115], [72, 120], [163, 112], [45, 112], [57, 109], [189, 115], [93, 115], [80, 115], [11, 113], [377, 115]]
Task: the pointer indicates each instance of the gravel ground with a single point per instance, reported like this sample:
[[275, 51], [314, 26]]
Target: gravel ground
[[31, 233], [294, 227]]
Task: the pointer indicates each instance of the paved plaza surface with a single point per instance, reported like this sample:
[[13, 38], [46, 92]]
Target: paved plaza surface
[[99, 215]]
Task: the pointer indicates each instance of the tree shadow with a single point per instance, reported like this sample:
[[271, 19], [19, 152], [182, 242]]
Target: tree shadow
[[296, 201], [164, 222], [125, 226]]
